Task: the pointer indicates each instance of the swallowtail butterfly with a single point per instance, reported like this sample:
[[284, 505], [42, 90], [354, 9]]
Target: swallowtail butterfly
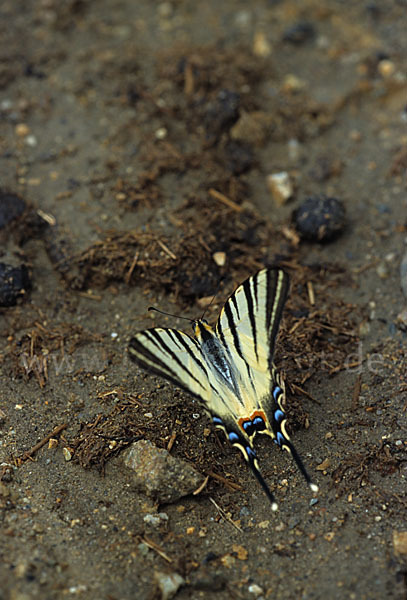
[[229, 368]]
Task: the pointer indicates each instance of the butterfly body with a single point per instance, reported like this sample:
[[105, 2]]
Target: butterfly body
[[229, 368]]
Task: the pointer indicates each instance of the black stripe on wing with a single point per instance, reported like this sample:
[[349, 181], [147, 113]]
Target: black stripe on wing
[[277, 290], [248, 293], [184, 346], [235, 335], [168, 365]]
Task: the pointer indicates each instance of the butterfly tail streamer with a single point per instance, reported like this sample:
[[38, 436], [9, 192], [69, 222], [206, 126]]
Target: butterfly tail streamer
[[289, 446], [251, 459]]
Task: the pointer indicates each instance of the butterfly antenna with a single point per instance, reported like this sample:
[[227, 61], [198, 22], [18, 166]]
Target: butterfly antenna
[[253, 464], [169, 314], [213, 299], [290, 447]]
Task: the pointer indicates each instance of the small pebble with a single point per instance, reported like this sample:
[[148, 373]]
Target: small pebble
[[67, 454], [219, 258], [402, 320], [261, 46], [156, 519], [22, 129], [294, 149], [221, 113], [382, 270], [161, 133], [299, 33], [14, 283], [255, 589], [31, 140], [292, 83], [143, 549], [320, 218], [281, 187], [253, 128], [400, 543], [386, 68], [168, 583]]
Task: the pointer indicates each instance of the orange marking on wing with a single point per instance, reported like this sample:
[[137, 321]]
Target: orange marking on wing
[[257, 413]]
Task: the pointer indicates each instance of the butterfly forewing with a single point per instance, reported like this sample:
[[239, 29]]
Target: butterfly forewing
[[175, 356], [249, 321]]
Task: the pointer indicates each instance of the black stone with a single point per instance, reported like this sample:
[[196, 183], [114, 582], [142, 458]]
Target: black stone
[[299, 33], [320, 218], [239, 157], [11, 207], [221, 114], [14, 281]]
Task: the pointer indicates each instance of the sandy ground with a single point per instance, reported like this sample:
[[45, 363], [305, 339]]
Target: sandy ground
[[118, 118]]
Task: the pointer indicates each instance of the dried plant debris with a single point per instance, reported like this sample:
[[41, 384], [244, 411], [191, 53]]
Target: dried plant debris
[[130, 420], [232, 80], [107, 435], [46, 347], [216, 97], [386, 459], [182, 265]]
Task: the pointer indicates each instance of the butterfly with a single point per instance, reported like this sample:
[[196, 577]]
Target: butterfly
[[229, 368]]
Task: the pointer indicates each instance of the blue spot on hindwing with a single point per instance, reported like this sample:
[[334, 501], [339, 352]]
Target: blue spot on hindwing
[[276, 392], [278, 415], [280, 438], [217, 421], [247, 425], [250, 452], [233, 437]]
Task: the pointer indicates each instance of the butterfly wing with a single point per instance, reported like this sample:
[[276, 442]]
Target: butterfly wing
[[248, 326], [174, 355], [248, 323]]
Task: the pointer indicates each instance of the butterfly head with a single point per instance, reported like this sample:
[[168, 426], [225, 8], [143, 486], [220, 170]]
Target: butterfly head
[[201, 329]]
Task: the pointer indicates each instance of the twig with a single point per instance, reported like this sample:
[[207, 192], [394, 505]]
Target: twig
[[297, 388], [225, 515], [40, 444], [359, 270], [171, 441], [89, 296], [201, 487], [230, 484], [227, 201], [166, 250], [156, 548], [129, 273], [296, 325], [311, 293]]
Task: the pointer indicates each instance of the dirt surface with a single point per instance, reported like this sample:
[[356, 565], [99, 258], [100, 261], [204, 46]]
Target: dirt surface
[[140, 136]]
